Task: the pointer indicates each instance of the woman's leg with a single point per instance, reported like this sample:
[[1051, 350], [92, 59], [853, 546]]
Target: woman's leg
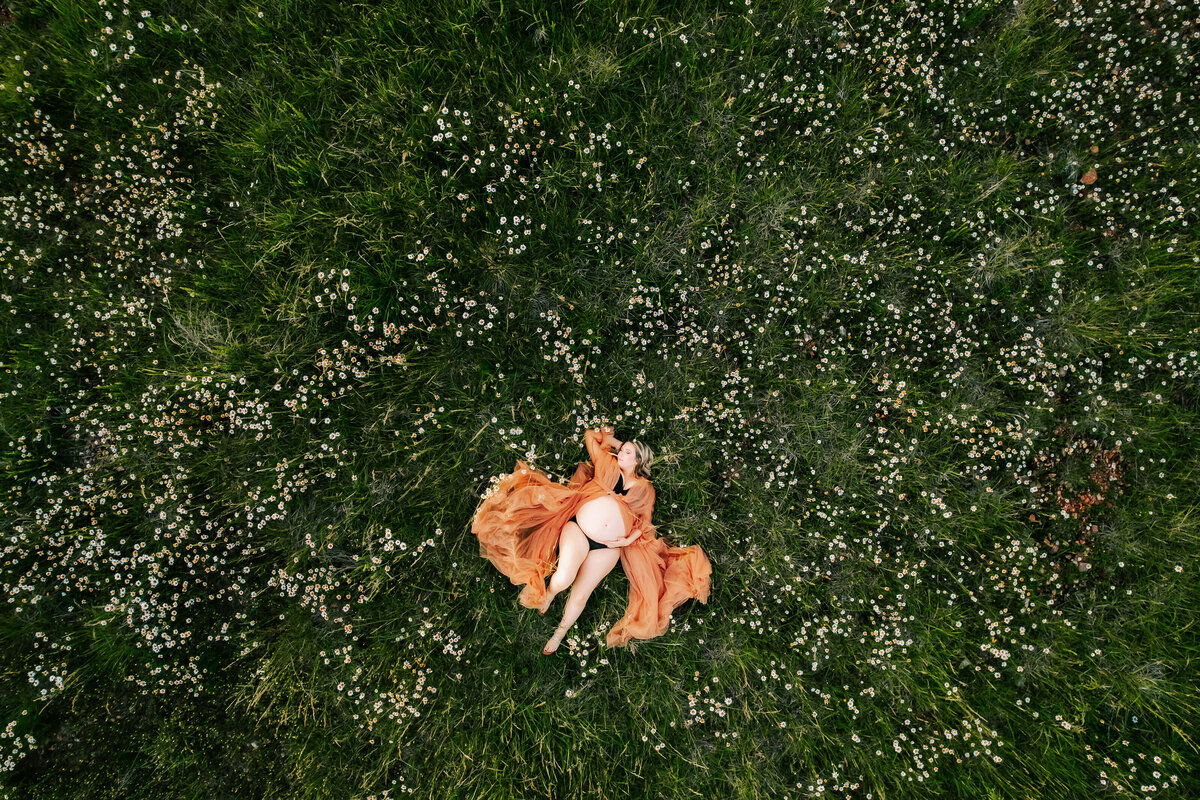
[[597, 564], [572, 549]]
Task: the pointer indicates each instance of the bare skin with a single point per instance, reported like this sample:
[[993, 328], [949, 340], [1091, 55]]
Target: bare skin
[[579, 567]]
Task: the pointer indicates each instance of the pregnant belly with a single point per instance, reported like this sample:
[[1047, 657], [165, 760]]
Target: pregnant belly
[[600, 519]]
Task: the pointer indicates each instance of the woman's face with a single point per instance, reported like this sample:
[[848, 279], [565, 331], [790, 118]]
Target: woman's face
[[627, 457]]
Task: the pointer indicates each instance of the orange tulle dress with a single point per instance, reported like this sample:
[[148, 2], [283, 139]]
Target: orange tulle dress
[[519, 520]]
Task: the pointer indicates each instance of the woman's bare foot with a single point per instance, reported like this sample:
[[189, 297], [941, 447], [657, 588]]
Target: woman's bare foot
[[555, 640], [546, 603]]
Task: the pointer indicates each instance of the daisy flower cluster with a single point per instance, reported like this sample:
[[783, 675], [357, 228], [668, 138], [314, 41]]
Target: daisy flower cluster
[[116, 517], [533, 150], [94, 259], [906, 318], [1110, 92]]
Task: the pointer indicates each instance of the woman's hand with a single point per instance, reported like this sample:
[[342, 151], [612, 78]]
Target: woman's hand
[[609, 439], [633, 536]]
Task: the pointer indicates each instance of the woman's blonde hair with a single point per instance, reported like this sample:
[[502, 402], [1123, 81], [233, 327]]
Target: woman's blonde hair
[[645, 457]]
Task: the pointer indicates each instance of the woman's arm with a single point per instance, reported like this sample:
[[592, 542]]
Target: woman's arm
[[594, 439], [643, 509], [610, 440]]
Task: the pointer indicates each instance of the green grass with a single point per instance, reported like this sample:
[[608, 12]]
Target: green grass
[[251, 399]]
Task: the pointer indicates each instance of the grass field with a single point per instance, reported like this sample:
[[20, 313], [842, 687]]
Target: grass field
[[905, 297]]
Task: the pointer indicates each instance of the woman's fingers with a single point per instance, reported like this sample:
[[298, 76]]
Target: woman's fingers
[[628, 540]]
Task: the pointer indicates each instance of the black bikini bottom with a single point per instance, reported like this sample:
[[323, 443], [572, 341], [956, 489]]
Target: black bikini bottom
[[592, 544]]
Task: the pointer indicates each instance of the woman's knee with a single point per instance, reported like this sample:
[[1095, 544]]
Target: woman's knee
[[560, 581], [595, 566]]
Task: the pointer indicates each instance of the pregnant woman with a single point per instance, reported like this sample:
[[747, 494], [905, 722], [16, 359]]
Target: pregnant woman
[[530, 527]]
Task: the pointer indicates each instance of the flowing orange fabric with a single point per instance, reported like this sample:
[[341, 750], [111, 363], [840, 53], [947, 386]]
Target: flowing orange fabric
[[520, 518]]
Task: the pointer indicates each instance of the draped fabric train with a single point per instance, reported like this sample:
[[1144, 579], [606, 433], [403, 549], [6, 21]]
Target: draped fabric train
[[519, 520]]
